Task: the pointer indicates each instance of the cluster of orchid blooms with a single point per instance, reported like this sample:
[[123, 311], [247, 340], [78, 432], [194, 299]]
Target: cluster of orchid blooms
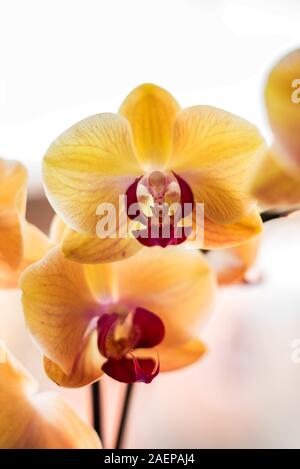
[[131, 306]]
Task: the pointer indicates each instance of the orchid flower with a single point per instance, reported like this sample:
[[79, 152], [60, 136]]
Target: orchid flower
[[128, 319], [162, 158], [277, 182], [20, 242], [36, 420]]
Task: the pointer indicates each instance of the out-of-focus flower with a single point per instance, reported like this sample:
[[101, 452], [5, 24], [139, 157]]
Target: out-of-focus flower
[[160, 157], [36, 420], [231, 265], [128, 319], [277, 182], [20, 242]]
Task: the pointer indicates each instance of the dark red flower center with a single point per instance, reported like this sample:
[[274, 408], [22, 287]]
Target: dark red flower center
[[158, 202], [120, 334]]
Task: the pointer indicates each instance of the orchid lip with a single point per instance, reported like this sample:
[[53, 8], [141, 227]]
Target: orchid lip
[[162, 201], [119, 335]]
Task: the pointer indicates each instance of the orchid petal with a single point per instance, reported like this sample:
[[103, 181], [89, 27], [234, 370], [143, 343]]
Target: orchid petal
[[86, 368], [275, 184], [175, 284], [92, 250], [58, 306], [90, 164], [36, 245], [13, 185], [216, 153], [151, 112], [282, 97], [36, 421], [218, 236], [232, 264]]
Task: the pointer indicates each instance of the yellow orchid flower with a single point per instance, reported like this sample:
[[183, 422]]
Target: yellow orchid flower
[[277, 182], [162, 158], [36, 420], [128, 319], [21, 243]]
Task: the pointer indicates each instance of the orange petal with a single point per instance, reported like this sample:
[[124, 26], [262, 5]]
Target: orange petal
[[103, 282], [92, 250], [275, 184], [232, 264], [90, 164], [212, 235], [36, 245], [174, 357], [86, 369], [216, 153], [13, 182], [176, 284], [58, 307], [282, 96], [13, 185], [151, 112], [11, 238], [36, 421]]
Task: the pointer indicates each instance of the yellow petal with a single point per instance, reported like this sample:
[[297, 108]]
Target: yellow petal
[[275, 184], [151, 111], [86, 369], [58, 306], [13, 185], [216, 153], [11, 238], [36, 245], [90, 164], [176, 284], [92, 250], [37, 421], [218, 236], [282, 96], [232, 264]]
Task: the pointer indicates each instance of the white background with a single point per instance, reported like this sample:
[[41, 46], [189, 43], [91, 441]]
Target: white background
[[62, 60]]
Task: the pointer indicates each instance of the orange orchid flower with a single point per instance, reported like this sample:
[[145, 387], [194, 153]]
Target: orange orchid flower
[[128, 319], [159, 156], [20, 242], [31, 420], [277, 182]]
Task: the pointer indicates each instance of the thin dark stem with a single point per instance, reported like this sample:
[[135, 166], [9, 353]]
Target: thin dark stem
[[96, 399], [272, 215], [124, 416]]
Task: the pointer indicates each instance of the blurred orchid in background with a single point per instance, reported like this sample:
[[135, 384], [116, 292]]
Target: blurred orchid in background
[[21, 243], [277, 182], [232, 264], [36, 420]]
